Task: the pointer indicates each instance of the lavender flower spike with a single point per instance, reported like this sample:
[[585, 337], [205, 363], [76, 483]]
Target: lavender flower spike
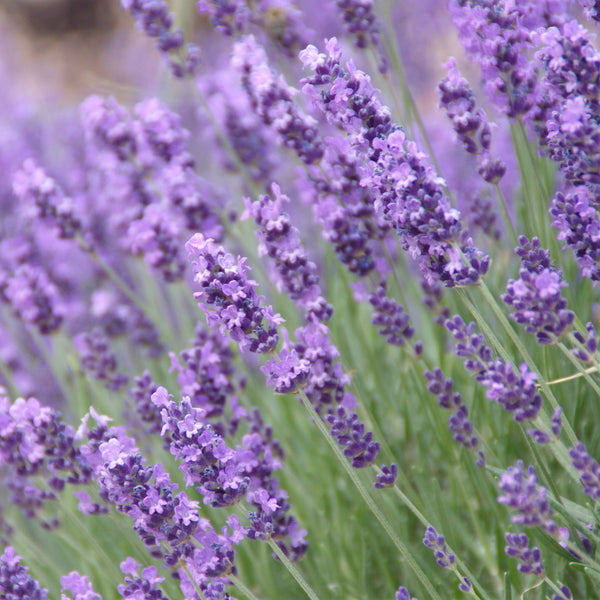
[[403, 594], [79, 586], [589, 470], [536, 294], [517, 546], [437, 543], [523, 494], [471, 126], [15, 581], [154, 19], [228, 298]]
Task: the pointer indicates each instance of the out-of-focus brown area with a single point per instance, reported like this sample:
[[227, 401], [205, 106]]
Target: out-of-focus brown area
[[67, 49], [54, 17]]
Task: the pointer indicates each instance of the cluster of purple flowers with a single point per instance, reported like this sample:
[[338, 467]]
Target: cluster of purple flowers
[[279, 19], [471, 126], [536, 296], [167, 522], [143, 163], [154, 19], [407, 191], [279, 240], [514, 389], [15, 581], [272, 100], [523, 495], [458, 422], [36, 445], [228, 297], [530, 559]]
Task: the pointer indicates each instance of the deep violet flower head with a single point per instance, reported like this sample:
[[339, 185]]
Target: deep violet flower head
[[228, 297], [15, 581], [360, 21], [522, 494], [530, 559], [576, 218], [35, 444], [565, 594], [459, 424], [387, 477], [536, 295]]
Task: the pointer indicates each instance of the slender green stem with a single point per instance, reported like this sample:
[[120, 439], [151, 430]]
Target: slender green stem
[[507, 218], [294, 572], [404, 552], [578, 366], [238, 583]]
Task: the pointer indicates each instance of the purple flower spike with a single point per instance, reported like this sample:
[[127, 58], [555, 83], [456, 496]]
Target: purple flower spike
[[516, 392], [143, 586], [458, 422], [408, 193], [272, 100], [34, 298], [360, 20], [589, 470], [403, 594], [153, 18], [228, 298], [280, 240], [15, 581], [99, 360], [350, 433], [471, 126], [537, 296], [565, 594], [530, 559], [79, 586], [589, 343], [389, 318], [523, 494], [556, 422], [32, 185], [287, 372], [387, 477], [437, 543]]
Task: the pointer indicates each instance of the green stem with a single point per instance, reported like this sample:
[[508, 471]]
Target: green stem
[[294, 572], [242, 587], [404, 552], [507, 218], [578, 366]]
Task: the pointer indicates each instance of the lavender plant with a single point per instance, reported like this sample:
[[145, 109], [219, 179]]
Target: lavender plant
[[264, 335]]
